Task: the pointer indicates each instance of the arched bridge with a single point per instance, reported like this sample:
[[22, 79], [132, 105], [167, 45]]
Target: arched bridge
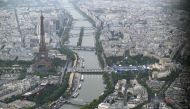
[[83, 48], [85, 28], [85, 34], [77, 102], [84, 70]]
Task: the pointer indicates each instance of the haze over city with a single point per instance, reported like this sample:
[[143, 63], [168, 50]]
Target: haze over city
[[94, 54]]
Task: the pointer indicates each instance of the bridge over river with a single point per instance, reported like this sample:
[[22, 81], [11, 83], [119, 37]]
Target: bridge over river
[[77, 35], [86, 28], [118, 69], [86, 70], [77, 102], [83, 48]]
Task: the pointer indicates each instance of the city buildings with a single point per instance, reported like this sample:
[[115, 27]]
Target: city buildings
[[104, 106], [17, 87], [177, 93], [20, 39], [137, 27], [125, 96], [152, 28], [20, 104]]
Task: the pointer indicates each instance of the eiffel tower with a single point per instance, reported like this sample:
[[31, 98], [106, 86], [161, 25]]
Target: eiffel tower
[[42, 62]]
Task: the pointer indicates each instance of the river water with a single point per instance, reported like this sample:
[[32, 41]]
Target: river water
[[92, 86]]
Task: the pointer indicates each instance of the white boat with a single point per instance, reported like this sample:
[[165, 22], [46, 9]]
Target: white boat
[[82, 78], [75, 94], [79, 86], [102, 93]]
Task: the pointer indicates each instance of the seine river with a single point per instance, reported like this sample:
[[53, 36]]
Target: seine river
[[92, 86]]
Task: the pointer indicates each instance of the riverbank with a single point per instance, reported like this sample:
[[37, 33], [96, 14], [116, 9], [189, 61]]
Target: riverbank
[[99, 49], [64, 33]]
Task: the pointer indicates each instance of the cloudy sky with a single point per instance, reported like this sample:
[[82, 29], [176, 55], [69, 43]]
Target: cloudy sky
[[3, 0]]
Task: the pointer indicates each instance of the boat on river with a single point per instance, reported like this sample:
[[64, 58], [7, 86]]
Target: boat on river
[[75, 94], [79, 86], [82, 78]]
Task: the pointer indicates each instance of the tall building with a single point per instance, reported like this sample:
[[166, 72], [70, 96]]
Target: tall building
[[42, 62]]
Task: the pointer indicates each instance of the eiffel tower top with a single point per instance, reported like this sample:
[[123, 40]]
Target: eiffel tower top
[[42, 34]]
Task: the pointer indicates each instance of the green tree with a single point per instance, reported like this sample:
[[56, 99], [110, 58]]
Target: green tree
[[80, 36]]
